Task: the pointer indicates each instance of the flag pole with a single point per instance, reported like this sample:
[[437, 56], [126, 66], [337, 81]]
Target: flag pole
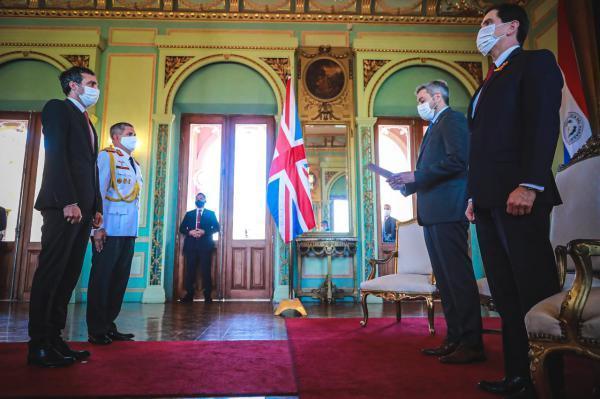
[[291, 270]]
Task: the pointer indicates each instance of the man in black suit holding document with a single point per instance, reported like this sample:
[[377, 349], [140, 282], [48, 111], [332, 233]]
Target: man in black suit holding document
[[440, 180]]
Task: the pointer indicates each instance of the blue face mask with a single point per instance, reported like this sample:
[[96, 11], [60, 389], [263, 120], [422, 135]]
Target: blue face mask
[[200, 204]]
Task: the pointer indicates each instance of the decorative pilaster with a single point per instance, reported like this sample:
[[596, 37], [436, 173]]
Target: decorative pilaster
[[366, 191], [155, 291]]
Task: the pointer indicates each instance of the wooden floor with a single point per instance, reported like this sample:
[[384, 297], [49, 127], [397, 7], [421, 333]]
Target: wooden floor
[[196, 321]]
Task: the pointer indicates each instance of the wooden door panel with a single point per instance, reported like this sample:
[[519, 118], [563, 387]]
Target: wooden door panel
[[257, 268], [238, 263], [31, 264], [7, 259]]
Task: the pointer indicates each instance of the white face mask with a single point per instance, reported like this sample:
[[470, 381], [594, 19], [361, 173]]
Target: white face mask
[[90, 96], [129, 142], [486, 39], [425, 111], [387, 213]]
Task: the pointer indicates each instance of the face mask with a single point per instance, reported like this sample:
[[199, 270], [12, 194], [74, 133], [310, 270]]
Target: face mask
[[129, 142], [387, 213], [425, 111], [486, 39], [89, 96], [200, 204]]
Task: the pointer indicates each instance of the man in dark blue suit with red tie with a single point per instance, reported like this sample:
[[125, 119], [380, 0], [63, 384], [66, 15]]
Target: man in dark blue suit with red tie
[[514, 124], [198, 226]]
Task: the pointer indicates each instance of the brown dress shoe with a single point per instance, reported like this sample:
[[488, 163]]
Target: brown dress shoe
[[444, 349], [464, 354]]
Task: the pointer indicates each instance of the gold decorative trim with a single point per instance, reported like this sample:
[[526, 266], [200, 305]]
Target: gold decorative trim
[[414, 51], [31, 44], [235, 16], [474, 68], [370, 67], [280, 65], [203, 46], [172, 64], [26, 53], [589, 150], [78, 60]]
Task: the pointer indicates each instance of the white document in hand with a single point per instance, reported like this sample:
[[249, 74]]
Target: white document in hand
[[379, 170]]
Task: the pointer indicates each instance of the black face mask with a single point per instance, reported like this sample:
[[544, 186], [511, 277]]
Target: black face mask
[[200, 204]]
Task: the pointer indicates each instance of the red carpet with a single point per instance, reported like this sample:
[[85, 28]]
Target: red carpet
[[183, 368], [336, 358]]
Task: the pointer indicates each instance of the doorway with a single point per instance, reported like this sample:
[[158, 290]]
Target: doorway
[[21, 167], [227, 158]]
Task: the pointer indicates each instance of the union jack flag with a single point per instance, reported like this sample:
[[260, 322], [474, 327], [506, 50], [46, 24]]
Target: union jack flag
[[288, 190]]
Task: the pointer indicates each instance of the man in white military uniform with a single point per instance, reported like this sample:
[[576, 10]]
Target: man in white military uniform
[[120, 179]]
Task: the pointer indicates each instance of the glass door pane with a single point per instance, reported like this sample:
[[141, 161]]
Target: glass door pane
[[204, 173], [394, 149], [13, 142], [249, 181], [36, 217]]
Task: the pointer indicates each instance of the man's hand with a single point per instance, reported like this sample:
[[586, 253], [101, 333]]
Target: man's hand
[[195, 233], [98, 219], [99, 239], [72, 213], [200, 232], [402, 178], [470, 213], [520, 201]]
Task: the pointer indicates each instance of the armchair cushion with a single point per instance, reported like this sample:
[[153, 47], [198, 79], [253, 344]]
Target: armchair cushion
[[542, 319], [404, 283]]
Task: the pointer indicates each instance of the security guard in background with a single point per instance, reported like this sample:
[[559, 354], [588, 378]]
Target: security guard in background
[[121, 181]]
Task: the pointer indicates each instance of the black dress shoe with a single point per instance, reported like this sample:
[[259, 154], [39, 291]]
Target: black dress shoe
[[61, 346], [117, 336], [504, 386], [186, 299], [47, 356], [208, 300], [125, 335], [464, 354], [99, 339], [444, 349]]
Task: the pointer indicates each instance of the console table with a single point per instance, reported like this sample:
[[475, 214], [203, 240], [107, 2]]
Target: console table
[[327, 247]]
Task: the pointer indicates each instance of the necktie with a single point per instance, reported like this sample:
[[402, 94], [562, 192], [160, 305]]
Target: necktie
[[198, 216], [490, 72], [131, 161], [87, 118]]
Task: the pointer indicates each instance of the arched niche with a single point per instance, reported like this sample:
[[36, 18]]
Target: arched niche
[[27, 84], [225, 88], [396, 95]]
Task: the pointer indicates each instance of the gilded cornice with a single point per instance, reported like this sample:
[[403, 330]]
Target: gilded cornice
[[220, 47], [413, 51], [240, 16], [36, 44]]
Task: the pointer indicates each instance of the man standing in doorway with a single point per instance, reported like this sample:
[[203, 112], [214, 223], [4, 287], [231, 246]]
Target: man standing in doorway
[[389, 224], [440, 181], [121, 182], [70, 203], [514, 122], [198, 226]]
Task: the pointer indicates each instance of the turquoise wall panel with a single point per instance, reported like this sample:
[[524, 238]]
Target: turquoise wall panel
[[26, 85]]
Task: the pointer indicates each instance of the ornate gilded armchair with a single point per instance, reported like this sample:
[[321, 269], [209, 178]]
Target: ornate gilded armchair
[[568, 321], [412, 278]]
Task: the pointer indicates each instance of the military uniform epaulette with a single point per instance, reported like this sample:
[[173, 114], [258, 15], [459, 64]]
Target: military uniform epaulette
[[113, 150]]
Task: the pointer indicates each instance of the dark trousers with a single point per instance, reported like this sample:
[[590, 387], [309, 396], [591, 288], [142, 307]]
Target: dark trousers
[[108, 280], [521, 271], [193, 257], [59, 267], [448, 252]]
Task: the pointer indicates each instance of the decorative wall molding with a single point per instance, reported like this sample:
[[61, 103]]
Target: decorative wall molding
[[157, 249], [370, 67], [368, 189], [172, 64], [78, 60], [238, 16], [280, 65], [474, 68], [414, 51]]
